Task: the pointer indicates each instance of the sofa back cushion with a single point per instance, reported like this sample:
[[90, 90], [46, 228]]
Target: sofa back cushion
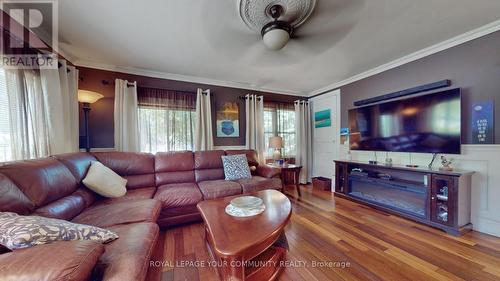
[[78, 163], [208, 165], [12, 199], [45, 187], [137, 168], [174, 167], [252, 156], [42, 180]]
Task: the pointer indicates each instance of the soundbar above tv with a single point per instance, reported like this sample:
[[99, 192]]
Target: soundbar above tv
[[425, 124]]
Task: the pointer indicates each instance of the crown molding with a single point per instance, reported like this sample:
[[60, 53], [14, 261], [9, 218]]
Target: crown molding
[[455, 41], [184, 78]]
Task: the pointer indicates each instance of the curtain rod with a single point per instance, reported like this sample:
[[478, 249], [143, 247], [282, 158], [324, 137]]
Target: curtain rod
[[165, 89], [245, 98], [106, 82]]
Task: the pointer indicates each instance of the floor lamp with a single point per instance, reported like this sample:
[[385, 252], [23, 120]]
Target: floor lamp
[[86, 98]]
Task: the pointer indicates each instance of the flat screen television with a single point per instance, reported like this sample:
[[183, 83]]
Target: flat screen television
[[426, 124]]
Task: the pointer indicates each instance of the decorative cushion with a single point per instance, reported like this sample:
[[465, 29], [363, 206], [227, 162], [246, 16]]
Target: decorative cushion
[[236, 167], [103, 181], [18, 232]]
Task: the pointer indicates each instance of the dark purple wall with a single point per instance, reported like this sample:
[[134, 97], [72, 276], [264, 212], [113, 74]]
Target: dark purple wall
[[101, 114], [473, 66]]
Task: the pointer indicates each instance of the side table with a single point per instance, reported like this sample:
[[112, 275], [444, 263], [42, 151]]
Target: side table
[[290, 170]]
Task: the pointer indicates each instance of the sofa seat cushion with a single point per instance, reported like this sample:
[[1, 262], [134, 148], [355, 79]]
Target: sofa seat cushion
[[178, 195], [105, 215], [133, 194], [257, 183], [219, 188], [127, 258]]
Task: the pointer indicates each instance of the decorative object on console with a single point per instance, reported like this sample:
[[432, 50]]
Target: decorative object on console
[[483, 122], [344, 135], [388, 160], [86, 98], [236, 167], [275, 20], [446, 164], [374, 160], [411, 165], [104, 181], [17, 232], [277, 144]]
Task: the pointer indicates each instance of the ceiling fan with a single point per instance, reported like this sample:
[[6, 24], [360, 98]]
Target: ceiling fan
[[316, 26], [276, 20], [276, 33]]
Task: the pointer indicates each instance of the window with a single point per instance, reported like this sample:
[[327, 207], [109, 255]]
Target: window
[[166, 120], [279, 120], [5, 141]]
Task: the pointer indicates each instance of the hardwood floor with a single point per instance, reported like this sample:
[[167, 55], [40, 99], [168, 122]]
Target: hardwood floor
[[370, 244]]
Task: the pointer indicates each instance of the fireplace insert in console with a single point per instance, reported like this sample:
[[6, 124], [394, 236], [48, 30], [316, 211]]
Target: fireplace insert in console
[[437, 198], [395, 191]]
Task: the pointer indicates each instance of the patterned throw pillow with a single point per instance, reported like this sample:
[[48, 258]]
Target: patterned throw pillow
[[236, 167], [17, 232]]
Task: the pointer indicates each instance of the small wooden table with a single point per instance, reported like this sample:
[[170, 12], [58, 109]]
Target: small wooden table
[[293, 170], [245, 248]]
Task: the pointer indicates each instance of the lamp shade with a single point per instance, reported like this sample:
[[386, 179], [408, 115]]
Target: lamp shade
[[275, 142], [88, 96]]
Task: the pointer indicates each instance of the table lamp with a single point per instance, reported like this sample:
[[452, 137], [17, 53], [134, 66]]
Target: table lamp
[[277, 144], [86, 98]]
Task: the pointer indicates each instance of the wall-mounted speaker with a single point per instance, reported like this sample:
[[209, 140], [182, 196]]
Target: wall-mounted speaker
[[407, 92]]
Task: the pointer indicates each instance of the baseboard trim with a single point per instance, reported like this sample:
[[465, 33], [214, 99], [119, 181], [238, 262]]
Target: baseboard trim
[[488, 226]]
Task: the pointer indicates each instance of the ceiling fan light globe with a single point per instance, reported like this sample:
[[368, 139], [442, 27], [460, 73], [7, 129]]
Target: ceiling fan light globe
[[276, 39]]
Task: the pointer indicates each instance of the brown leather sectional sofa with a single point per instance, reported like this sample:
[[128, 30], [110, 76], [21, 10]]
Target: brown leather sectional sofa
[[163, 190]]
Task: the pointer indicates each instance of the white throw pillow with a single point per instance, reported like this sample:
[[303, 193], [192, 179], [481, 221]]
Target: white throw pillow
[[103, 181]]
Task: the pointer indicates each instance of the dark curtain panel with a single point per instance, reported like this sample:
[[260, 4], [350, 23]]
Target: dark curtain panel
[[166, 120], [279, 120]]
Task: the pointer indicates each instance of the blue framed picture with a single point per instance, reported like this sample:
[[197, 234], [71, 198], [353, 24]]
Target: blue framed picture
[[483, 122]]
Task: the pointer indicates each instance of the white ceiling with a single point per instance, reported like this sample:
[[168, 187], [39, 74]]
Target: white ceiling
[[207, 39]]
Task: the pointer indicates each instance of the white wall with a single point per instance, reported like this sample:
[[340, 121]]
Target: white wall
[[483, 159], [326, 140]]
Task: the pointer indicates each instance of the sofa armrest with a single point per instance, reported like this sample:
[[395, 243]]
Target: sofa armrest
[[267, 171], [61, 260]]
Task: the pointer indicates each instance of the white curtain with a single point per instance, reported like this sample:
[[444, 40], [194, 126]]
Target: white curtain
[[43, 111], [69, 74], [203, 139], [29, 134], [254, 106], [304, 140], [61, 88], [126, 121]]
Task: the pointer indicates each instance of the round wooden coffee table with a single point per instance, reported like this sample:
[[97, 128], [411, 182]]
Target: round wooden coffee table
[[251, 248]]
